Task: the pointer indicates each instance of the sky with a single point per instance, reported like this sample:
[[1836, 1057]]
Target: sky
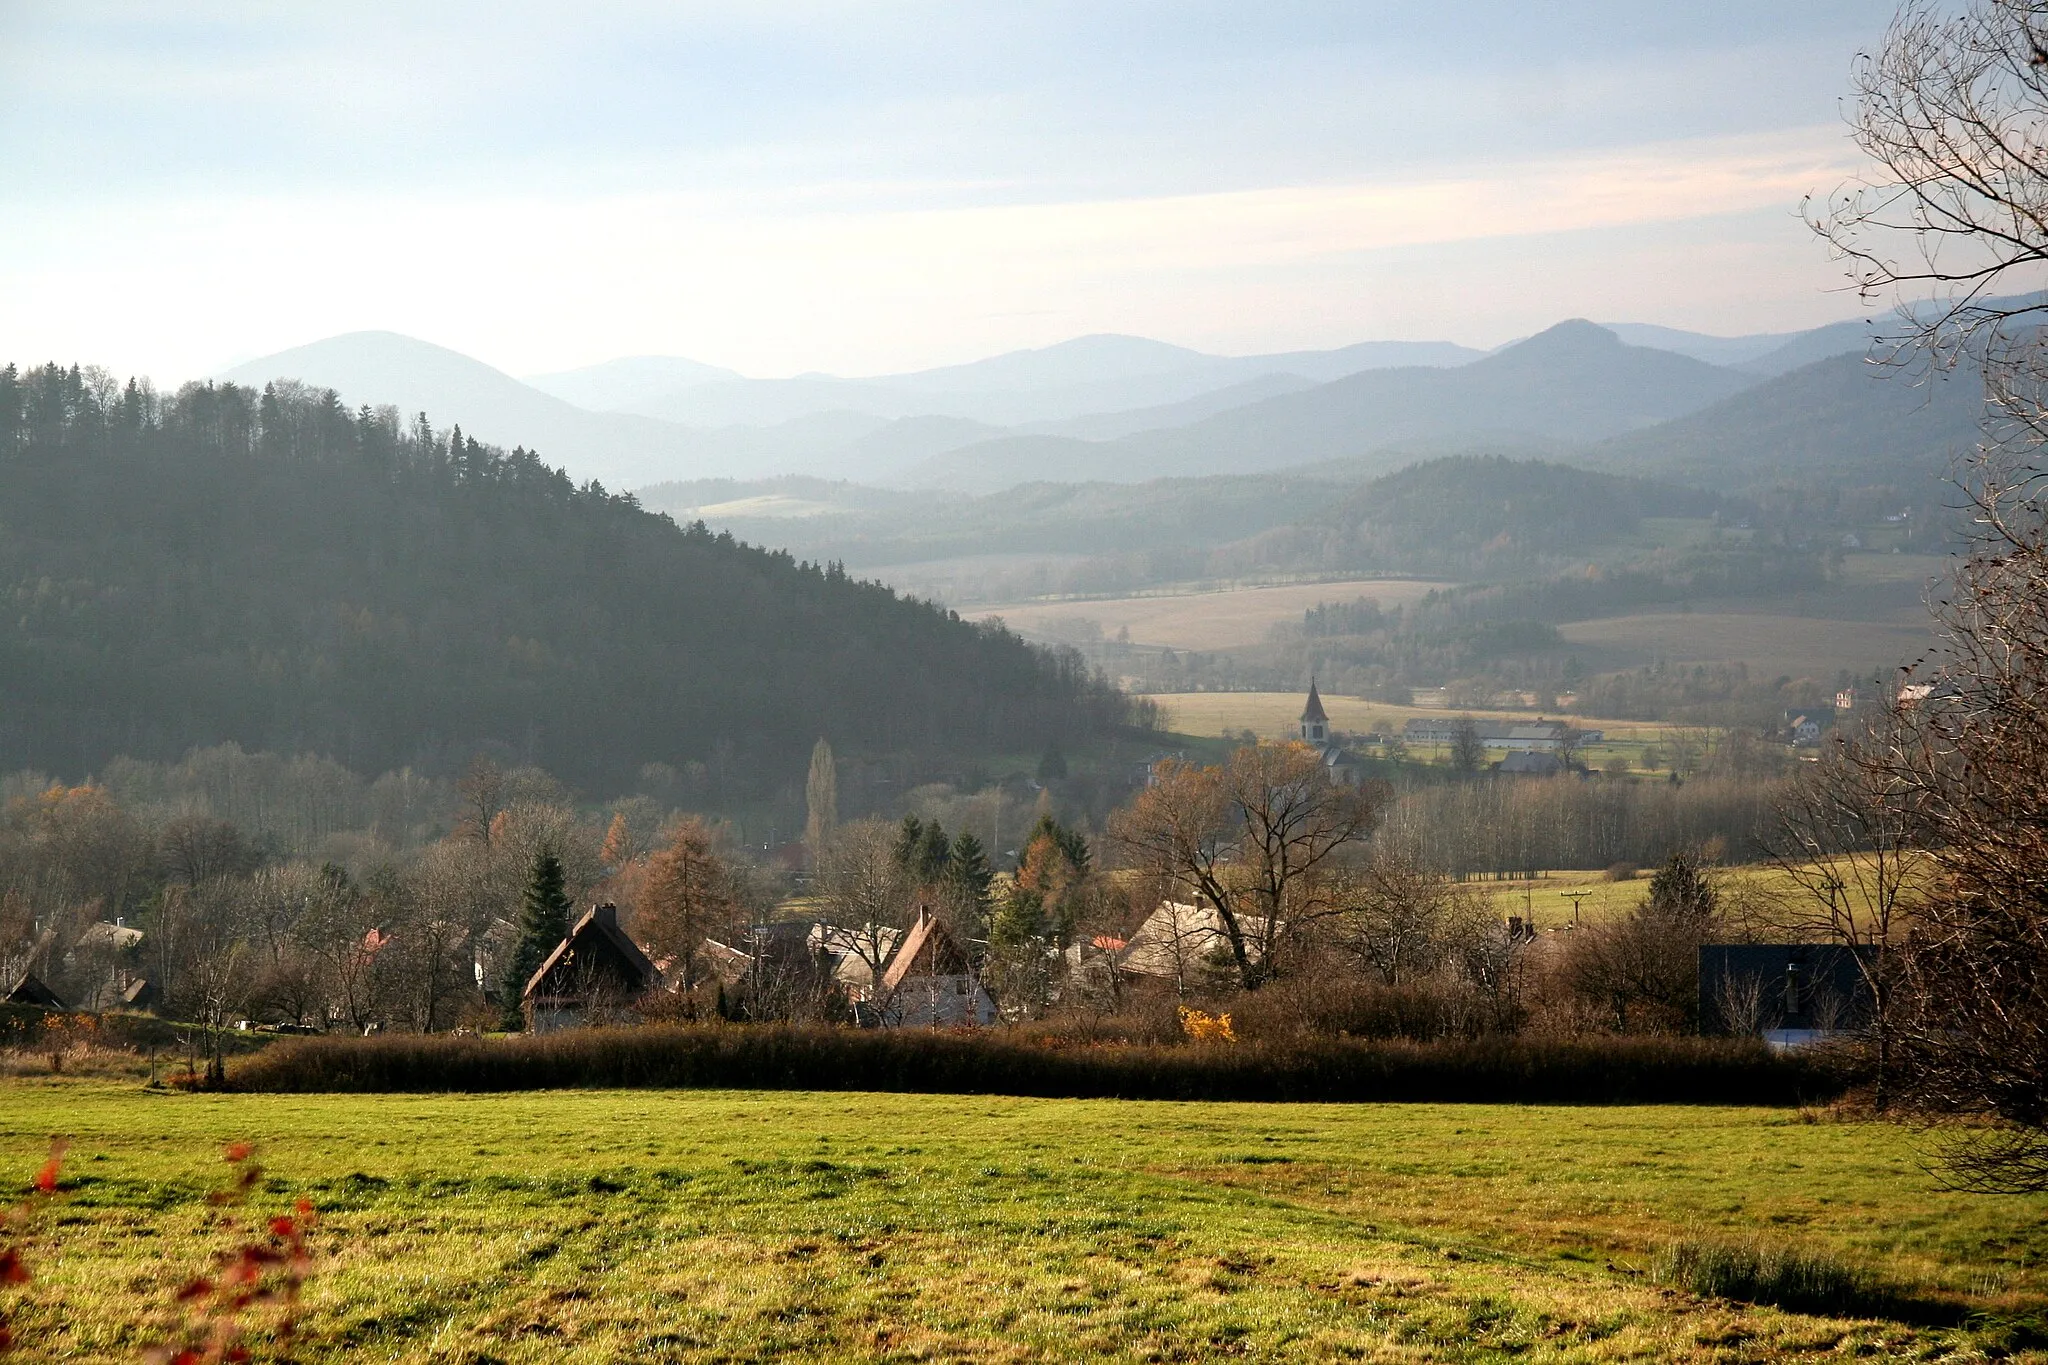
[[786, 186]]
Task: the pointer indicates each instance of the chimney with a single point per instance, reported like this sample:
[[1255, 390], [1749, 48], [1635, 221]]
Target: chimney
[[606, 915]]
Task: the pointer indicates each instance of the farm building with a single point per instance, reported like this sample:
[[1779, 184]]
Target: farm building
[[1541, 736]]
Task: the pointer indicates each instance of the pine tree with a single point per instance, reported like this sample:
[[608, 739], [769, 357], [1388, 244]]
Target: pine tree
[[1680, 893], [934, 855], [1052, 764], [909, 841], [968, 878], [543, 924]]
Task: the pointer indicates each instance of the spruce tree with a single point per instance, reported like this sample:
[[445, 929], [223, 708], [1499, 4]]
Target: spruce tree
[[543, 923], [968, 878]]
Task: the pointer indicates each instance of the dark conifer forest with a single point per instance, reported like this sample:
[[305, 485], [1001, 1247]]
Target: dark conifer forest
[[276, 570]]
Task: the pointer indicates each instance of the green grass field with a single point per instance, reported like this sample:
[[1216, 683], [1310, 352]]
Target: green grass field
[[741, 1226], [1758, 889]]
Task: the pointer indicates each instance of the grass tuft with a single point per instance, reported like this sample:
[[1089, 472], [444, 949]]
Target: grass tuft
[[1800, 1281]]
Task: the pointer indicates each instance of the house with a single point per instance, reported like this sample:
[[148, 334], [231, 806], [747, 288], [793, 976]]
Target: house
[[1186, 944], [791, 967], [594, 970], [29, 990], [1803, 731], [779, 973], [930, 982], [101, 964], [1790, 994]]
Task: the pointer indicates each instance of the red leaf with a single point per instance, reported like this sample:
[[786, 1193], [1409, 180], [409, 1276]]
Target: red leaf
[[6, 1337], [282, 1227], [193, 1288], [305, 1208], [238, 1151], [46, 1178], [13, 1270]]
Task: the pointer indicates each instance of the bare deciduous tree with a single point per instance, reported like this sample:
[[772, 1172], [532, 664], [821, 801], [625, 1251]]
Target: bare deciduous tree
[[1847, 842], [1953, 112], [1257, 838]]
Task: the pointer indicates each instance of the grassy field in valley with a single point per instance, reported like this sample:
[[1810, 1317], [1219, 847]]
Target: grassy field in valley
[[1226, 619], [1770, 892], [1277, 715], [743, 1226]]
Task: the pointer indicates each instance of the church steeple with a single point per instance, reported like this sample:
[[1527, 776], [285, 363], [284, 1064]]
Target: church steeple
[[1315, 722]]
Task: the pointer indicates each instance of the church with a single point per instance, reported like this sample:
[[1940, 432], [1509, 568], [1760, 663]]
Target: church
[[1345, 768]]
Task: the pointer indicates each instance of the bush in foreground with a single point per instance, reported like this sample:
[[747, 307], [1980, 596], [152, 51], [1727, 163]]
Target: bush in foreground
[[1512, 1070]]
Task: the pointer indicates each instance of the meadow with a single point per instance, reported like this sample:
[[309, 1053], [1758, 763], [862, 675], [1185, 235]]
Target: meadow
[[744, 1226], [1227, 618], [1277, 715]]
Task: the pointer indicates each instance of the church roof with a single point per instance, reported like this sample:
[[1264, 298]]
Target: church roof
[[1314, 710]]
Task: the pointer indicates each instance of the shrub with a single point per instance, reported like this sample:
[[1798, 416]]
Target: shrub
[[1623, 872], [1494, 1069], [1802, 1281]]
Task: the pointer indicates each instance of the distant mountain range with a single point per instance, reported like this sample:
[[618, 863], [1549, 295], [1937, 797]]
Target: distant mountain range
[[1115, 408], [1572, 384]]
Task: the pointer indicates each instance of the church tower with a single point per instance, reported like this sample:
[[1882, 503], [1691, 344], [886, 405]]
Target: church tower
[[1315, 724]]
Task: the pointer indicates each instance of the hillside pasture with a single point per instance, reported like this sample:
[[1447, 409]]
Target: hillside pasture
[[751, 1227], [1228, 618]]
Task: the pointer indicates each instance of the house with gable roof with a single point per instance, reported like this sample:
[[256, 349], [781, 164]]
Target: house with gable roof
[[596, 969], [930, 982]]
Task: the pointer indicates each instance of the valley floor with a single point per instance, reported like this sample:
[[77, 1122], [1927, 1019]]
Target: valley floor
[[740, 1226]]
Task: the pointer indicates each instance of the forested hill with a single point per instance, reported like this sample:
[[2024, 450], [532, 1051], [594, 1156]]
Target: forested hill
[[279, 571], [1474, 516]]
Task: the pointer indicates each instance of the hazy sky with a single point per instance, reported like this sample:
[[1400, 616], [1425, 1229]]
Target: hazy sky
[[869, 187]]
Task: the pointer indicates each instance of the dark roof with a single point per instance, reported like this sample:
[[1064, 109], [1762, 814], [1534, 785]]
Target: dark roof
[[599, 923], [1314, 709], [31, 991]]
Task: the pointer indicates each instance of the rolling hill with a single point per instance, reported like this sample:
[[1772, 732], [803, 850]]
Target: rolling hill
[[1841, 419], [1574, 383], [1083, 378], [276, 571], [418, 376]]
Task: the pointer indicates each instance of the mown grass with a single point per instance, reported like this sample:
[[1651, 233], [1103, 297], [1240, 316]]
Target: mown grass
[[749, 1226]]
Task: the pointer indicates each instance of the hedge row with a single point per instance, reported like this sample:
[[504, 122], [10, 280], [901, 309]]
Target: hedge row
[[1514, 1070]]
